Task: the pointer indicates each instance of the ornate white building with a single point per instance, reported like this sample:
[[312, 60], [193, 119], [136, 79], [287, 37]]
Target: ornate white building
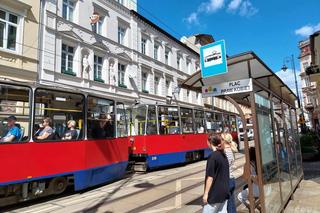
[[123, 55]]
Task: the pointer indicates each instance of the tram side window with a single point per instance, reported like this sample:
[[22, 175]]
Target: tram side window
[[218, 122], [152, 120], [210, 122], [233, 123], [14, 113], [100, 118], [186, 120], [58, 115], [138, 120], [121, 121], [168, 118], [199, 121]]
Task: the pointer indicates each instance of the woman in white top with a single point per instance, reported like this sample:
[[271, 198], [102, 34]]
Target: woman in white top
[[229, 150]]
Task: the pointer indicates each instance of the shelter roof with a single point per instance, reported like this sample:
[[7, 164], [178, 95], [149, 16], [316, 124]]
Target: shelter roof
[[243, 66]]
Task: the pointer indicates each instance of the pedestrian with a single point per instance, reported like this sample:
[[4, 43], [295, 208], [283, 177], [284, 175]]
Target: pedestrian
[[243, 196], [216, 188], [229, 150]]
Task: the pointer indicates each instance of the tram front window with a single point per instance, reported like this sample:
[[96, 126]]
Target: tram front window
[[138, 120], [100, 118], [199, 121], [121, 121], [58, 115], [168, 120], [186, 120], [14, 113]]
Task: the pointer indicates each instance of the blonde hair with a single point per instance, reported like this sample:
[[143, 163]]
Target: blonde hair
[[227, 137], [72, 122]]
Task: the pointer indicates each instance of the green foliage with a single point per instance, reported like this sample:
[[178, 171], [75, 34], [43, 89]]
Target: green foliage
[[309, 143]]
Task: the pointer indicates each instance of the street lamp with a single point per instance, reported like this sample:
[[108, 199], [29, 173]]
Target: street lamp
[[284, 69]]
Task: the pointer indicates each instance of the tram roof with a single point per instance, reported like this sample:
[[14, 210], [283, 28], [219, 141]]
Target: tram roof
[[243, 66]]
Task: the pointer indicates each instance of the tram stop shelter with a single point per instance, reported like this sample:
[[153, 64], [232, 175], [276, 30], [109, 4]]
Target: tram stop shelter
[[249, 81]]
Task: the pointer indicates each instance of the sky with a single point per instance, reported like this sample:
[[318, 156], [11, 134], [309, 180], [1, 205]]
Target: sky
[[270, 28]]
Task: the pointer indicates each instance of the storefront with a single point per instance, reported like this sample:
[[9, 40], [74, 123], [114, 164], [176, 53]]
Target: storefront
[[249, 81]]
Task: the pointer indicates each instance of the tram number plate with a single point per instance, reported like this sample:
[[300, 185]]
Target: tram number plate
[[154, 158]]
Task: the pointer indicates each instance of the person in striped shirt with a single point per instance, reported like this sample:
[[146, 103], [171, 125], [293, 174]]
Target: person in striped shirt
[[229, 151]]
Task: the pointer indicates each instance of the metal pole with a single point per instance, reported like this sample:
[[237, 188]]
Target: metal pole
[[295, 79]]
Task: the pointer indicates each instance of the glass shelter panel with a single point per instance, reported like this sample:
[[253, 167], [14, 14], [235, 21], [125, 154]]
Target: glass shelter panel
[[152, 120], [54, 111], [282, 151], [268, 154], [14, 113], [100, 118], [138, 120], [199, 121], [186, 120], [291, 145], [168, 119], [294, 120]]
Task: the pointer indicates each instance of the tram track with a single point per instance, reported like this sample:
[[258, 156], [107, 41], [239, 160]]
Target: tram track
[[105, 197]]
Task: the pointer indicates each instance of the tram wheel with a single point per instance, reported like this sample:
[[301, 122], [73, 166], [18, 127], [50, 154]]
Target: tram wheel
[[58, 185]]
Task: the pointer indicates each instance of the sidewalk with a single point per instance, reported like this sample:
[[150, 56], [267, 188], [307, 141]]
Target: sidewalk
[[306, 199]]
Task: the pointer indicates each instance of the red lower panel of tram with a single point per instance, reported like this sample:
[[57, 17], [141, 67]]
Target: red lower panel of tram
[[89, 162], [162, 150]]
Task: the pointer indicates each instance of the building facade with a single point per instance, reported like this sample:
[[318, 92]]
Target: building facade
[[19, 24], [311, 66], [309, 89], [121, 54]]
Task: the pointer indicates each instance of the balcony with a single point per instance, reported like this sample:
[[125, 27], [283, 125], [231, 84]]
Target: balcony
[[314, 72], [309, 107]]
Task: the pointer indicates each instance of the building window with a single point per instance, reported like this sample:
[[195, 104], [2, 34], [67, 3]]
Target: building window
[[121, 35], [67, 10], [97, 27], [155, 51], [8, 30], [144, 82], [178, 62], [143, 45], [166, 56], [189, 67], [97, 68], [121, 75], [188, 95], [67, 60], [168, 84], [156, 85], [120, 1]]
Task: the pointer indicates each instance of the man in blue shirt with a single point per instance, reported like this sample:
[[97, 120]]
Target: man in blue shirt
[[13, 132]]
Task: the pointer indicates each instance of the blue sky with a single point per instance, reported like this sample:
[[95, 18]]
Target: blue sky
[[272, 29]]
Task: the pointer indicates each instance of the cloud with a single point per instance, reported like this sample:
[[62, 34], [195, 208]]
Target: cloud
[[192, 18], [240, 7], [234, 5], [288, 78], [307, 30], [211, 6], [247, 9]]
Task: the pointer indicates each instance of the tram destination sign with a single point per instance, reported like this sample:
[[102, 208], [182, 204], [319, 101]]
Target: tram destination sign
[[213, 59], [227, 88]]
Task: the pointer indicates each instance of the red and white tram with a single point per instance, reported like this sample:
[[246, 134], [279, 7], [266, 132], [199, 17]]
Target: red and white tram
[[32, 167]]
